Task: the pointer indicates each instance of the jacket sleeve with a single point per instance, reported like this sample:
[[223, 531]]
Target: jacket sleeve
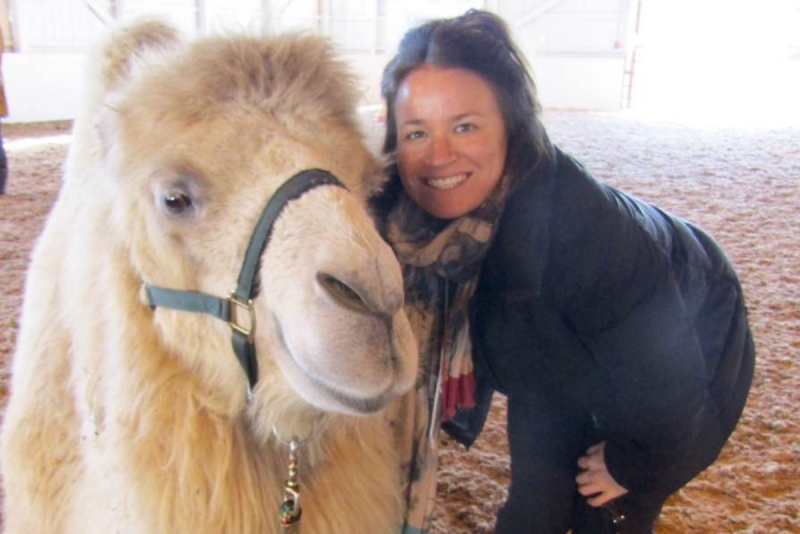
[[681, 370], [630, 287], [653, 360]]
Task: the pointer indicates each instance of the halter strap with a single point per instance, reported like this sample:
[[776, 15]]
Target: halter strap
[[237, 308]]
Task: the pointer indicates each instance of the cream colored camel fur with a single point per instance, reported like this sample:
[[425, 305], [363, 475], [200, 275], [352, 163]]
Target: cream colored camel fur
[[125, 419]]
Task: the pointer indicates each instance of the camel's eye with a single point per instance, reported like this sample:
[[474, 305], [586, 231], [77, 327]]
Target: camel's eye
[[178, 195], [177, 203]]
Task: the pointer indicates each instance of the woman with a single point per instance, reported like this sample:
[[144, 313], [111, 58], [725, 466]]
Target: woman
[[618, 332]]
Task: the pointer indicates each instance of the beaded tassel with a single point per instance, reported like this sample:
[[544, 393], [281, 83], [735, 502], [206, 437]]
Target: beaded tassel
[[290, 511]]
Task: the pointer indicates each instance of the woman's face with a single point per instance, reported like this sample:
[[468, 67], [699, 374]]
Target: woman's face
[[451, 140]]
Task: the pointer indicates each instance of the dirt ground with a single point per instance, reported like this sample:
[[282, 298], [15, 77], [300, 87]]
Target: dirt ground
[[740, 184]]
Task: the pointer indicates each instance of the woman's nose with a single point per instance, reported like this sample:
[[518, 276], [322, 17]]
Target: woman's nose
[[441, 152]]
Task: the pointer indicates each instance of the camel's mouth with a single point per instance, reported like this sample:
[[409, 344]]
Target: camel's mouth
[[356, 404], [348, 402], [320, 392]]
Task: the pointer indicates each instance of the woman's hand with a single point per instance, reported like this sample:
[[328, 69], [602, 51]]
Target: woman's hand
[[595, 482]]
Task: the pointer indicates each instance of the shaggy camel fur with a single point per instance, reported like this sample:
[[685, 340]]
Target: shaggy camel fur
[[129, 419]]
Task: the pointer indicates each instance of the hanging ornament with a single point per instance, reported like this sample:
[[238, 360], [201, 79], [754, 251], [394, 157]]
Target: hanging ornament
[[290, 510]]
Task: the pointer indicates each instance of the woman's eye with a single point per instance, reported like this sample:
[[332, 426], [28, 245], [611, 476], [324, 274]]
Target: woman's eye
[[416, 134], [466, 127], [177, 203]]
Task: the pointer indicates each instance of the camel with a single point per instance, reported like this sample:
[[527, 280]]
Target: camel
[[130, 415]]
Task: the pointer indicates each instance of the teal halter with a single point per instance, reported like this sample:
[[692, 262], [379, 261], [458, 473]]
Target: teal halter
[[239, 302]]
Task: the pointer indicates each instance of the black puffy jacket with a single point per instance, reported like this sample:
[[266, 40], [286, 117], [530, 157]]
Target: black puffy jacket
[[607, 302]]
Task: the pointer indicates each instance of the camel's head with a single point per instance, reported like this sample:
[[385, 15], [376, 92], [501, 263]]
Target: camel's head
[[197, 138]]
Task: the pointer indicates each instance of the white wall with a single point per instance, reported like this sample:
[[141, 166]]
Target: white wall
[[577, 48], [579, 82], [574, 46], [42, 87]]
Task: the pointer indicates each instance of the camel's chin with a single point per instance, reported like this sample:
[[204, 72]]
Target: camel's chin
[[357, 374], [329, 396], [321, 392]]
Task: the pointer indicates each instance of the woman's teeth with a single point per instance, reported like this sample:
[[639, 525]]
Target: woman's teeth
[[446, 182]]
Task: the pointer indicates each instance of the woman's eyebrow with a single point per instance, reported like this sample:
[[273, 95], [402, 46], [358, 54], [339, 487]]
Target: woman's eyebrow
[[459, 117], [412, 122], [462, 116]]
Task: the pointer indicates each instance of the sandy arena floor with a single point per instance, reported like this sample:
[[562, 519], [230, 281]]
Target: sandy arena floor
[[740, 184]]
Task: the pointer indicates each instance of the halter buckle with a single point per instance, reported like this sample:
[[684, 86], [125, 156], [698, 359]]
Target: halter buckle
[[236, 306]]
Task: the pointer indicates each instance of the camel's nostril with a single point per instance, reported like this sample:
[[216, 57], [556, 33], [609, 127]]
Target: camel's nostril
[[341, 293]]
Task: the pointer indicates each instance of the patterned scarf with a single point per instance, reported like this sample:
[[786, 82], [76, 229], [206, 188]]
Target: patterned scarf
[[441, 262]]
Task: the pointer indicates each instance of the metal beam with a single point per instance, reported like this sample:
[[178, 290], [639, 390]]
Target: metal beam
[[102, 17], [200, 16]]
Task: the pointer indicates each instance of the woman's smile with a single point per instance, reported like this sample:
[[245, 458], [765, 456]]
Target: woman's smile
[[447, 182]]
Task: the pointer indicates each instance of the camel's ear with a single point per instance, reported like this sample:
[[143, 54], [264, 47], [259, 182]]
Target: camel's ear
[[127, 50], [128, 45]]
